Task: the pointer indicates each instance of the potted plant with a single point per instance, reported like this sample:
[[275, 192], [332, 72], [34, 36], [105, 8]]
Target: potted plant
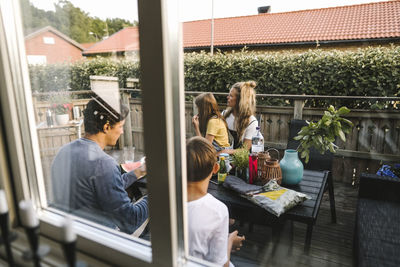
[[320, 135], [240, 159], [61, 106]]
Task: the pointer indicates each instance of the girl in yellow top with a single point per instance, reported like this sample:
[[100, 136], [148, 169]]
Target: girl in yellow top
[[210, 123]]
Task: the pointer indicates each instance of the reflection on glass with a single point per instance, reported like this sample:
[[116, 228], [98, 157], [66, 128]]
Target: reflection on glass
[[208, 218], [88, 182], [84, 120]]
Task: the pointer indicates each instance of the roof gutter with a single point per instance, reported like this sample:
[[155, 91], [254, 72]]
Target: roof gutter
[[381, 40]]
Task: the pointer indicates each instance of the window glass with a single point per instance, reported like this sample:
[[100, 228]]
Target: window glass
[[320, 80], [84, 70], [278, 67]]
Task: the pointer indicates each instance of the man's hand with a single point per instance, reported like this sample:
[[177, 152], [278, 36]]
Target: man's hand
[[141, 171], [237, 241]]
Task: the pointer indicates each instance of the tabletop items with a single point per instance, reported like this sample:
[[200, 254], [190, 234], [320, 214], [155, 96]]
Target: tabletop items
[[257, 142], [262, 184], [128, 154], [271, 196], [312, 184], [270, 168], [292, 167], [261, 167], [222, 173]]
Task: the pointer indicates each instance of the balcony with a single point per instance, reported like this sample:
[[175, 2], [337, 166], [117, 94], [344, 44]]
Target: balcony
[[374, 139]]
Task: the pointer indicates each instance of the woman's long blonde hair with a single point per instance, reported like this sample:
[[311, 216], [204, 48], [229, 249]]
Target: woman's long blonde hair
[[208, 108], [245, 105]]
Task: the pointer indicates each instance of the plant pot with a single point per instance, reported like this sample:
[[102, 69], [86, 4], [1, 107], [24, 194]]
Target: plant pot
[[292, 168], [62, 119], [242, 174]]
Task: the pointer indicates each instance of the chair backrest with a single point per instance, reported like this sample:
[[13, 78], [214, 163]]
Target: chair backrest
[[317, 160]]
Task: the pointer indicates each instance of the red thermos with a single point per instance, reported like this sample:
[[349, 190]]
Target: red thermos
[[252, 167]]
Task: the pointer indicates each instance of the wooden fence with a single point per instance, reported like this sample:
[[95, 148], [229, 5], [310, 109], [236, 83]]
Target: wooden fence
[[374, 139]]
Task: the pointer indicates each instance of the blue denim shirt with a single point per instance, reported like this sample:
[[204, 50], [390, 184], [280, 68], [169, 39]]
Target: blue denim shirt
[[88, 182]]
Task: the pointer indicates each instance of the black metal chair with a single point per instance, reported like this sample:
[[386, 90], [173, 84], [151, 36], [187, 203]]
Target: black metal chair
[[317, 161], [377, 230]]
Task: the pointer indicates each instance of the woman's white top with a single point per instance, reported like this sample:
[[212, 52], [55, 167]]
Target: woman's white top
[[251, 129]]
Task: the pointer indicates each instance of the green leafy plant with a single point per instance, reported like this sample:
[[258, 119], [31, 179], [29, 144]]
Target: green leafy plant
[[322, 134], [241, 158]]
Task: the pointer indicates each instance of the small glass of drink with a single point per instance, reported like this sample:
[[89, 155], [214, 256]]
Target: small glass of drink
[[128, 154]]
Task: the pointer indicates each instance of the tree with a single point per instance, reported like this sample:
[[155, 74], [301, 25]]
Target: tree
[[116, 24], [33, 18], [70, 20]]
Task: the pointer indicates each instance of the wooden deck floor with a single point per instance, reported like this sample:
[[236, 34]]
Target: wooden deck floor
[[331, 244]]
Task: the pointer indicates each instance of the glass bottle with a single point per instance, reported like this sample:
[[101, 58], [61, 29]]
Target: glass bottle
[[49, 118], [222, 173], [257, 142]]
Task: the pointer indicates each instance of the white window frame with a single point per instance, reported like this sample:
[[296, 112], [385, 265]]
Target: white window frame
[[36, 59], [48, 40], [162, 85]]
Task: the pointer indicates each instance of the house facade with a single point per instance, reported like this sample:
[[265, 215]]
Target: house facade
[[48, 46]]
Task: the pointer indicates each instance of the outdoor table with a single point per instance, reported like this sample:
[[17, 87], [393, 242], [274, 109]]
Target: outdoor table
[[312, 184]]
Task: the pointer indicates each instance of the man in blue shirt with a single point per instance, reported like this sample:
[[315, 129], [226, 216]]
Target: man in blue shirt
[[87, 182]]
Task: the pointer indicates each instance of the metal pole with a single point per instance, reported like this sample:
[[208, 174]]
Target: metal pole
[[212, 28]]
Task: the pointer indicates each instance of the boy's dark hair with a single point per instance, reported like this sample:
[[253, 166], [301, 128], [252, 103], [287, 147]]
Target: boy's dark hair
[[200, 158], [96, 116]]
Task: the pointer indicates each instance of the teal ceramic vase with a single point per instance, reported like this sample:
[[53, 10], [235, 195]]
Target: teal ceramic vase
[[292, 168]]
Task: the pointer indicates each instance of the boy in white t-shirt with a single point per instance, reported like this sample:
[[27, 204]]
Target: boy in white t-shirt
[[209, 237]]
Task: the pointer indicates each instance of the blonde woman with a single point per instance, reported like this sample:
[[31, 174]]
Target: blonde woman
[[209, 123], [240, 113]]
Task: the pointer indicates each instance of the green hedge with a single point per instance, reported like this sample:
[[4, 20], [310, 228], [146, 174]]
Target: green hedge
[[365, 72], [62, 77]]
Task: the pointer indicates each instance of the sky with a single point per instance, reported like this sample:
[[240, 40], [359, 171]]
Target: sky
[[197, 9]]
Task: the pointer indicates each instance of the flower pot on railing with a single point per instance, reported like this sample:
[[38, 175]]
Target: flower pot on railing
[[62, 119], [292, 168]]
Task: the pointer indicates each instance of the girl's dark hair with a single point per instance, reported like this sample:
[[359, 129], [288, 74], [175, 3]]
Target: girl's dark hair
[[200, 158], [208, 108], [96, 116]]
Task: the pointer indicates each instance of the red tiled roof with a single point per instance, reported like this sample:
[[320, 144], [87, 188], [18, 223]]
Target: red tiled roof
[[126, 39], [365, 21], [87, 45], [355, 22]]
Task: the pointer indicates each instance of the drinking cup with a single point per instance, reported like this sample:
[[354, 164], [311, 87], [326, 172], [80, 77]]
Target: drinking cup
[[128, 154]]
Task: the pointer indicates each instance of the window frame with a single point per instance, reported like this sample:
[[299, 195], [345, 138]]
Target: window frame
[[161, 56]]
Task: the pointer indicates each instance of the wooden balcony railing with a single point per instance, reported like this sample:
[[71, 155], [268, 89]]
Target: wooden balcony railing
[[374, 139]]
